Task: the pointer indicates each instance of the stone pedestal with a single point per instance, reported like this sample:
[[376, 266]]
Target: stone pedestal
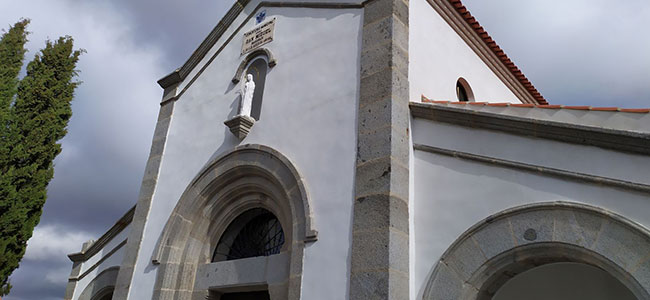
[[240, 126]]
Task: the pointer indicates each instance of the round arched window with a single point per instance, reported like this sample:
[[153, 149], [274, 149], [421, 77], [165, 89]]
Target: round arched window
[[256, 232], [463, 91]]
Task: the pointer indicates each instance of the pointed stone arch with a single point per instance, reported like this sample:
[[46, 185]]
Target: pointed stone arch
[[250, 176], [510, 242]]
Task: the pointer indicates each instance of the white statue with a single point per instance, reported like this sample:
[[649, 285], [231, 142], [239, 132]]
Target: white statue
[[248, 88]]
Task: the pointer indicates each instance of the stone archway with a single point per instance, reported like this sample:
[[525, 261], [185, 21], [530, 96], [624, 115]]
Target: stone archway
[[101, 286], [508, 243], [250, 176]]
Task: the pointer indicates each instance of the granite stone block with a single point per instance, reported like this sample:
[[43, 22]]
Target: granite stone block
[[446, 284], [381, 211]]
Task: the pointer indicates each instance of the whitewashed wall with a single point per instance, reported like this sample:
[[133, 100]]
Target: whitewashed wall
[[438, 57], [308, 114], [114, 260], [452, 194]]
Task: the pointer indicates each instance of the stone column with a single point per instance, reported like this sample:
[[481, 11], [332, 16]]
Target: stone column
[[380, 238]]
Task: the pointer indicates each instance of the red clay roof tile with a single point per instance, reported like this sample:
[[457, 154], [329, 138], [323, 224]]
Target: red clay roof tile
[[550, 106], [605, 108], [523, 105], [579, 107], [530, 105], [465, 14], [635, 110]]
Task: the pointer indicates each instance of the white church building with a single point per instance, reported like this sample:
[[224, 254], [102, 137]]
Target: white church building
[[380, 149]]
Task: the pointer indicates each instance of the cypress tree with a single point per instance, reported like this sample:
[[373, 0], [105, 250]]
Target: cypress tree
[[12, 53], [38, 117]]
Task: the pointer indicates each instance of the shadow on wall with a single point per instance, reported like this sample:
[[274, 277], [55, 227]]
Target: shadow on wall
[[564, 281]]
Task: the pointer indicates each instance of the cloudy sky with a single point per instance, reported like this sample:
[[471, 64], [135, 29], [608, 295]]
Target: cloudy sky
[[576, 52]]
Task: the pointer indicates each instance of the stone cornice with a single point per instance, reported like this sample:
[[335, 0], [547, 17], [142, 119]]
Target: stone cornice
[[537, 169], [104, 239], [620, 140]]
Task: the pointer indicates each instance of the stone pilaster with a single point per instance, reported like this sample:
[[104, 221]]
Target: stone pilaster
[[380, 238], [147, 189], [72, 280]]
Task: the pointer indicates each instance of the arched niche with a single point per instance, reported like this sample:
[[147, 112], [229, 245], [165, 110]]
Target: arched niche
[[261, 52], [257, 64], [102, 286], [249, 177], [464, 91], [511, 242]]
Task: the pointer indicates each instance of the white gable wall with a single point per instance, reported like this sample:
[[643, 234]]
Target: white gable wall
[[438, 57], [308, 114]]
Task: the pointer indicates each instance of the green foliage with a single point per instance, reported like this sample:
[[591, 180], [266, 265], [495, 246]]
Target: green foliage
[[12, 53], [36, 117]]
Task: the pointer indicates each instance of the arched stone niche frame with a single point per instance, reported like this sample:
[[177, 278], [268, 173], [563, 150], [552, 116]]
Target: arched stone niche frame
[[102, 285], [264, 52], [250, 176], [508, 243], [469, 93]]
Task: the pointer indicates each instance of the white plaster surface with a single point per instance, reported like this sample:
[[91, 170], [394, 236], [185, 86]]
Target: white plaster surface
[[308, 114], [452, 194], [114, 260], [438, 57], [571, 157]]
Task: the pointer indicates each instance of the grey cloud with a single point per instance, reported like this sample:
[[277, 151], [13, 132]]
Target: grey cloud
[[578, 52], [177, 26]]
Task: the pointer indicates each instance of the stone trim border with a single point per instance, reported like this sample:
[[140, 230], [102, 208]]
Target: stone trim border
[[124, 221], [510, 242], [625, 141], [379, 258], [250, 57], [179, 74], [147, 189], [99, 262], [576, 176], [249, 176], [101, 285]]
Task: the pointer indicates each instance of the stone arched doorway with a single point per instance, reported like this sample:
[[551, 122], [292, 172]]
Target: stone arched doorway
[[249, 177], [511, 242]]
